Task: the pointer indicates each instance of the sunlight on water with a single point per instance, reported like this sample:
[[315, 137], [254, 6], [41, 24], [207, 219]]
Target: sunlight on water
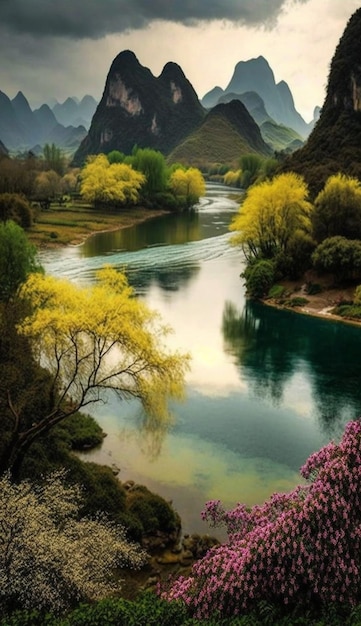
[[266, 387]]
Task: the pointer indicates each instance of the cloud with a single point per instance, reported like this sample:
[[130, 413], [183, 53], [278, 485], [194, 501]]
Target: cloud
[[93, 19]]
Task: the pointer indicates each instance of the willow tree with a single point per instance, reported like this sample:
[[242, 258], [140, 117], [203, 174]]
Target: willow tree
[[272, 214], [110, 183], [90, 340], [188, 183]]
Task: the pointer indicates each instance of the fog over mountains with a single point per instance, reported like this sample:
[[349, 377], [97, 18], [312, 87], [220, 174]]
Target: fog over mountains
[[65, 124]]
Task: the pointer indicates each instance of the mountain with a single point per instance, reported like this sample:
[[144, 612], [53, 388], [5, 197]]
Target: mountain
[[278, 136], [335, 143], [256, 75], [138, 108], [3, 149], [227, 132], [22, 129], [11, 130], [73, 112]]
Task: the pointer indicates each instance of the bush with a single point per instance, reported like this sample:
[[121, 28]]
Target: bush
[[300, 548], [276, 291], [259, 278], [153, 512]]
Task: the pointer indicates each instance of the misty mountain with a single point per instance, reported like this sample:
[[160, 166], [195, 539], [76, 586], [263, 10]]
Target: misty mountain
[[256, 76], [22, 129], [73, 112], [139, 108]]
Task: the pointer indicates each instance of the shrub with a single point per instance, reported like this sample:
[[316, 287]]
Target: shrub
[[259, 278], [301, 547], [276, 291], [51, 559]]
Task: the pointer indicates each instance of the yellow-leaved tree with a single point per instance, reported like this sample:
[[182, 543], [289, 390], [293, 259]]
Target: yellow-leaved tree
[[272, 214], [188, 183], [110, 183], [89, 340]]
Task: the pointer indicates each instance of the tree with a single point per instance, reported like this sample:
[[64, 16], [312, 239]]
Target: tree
[[271, 214], [17, 259], [46, 187], [298, 548], [113, 184], [49, 558], [338, 208], [54, 158], [15, 207], [152, 164], [251, 165], [90, 340], [339, 256], [188, 184]]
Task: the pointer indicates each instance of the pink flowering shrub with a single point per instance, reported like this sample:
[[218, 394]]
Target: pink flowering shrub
[[300, 547]]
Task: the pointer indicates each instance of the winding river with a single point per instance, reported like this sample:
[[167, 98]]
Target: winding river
[[266, 387]]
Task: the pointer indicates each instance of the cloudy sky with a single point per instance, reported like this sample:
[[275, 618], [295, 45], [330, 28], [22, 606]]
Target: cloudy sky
[[56, 48]]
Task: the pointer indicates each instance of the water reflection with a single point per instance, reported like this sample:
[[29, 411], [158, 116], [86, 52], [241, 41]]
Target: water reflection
[[272, 347], [170, 229]]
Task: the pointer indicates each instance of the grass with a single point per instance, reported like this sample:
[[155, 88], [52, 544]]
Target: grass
[[73, 223]]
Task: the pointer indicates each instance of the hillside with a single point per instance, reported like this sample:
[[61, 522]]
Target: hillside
[[227, 132], [335, 143]]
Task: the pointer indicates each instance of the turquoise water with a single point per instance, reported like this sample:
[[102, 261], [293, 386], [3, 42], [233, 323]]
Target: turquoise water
[[266, 387]]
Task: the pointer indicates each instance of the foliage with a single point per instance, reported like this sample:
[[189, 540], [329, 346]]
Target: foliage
[[113, 184], [276, 291], [271, 215], [50, 559], [47, 185], [54, 158], [232, 178], [339, 256], [296, 301], [188, 183], [17, 259], [259, 277], [90, 340], [251, 165], [297, 548], [153, 511], [338, 208], [15, 207], [152, 164]]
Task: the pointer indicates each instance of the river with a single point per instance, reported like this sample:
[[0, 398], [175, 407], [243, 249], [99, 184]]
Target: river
[[266, 387]]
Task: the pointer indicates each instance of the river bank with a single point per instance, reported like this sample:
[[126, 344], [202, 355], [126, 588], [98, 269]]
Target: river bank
[[73, 224], [320, 304]]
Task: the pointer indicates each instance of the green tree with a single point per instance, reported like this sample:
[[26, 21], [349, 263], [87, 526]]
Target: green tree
[[90, 340], [54, 158], [49, 558], [270, 216], [338, 208], [17, 259], [152, 164], [339, 256], [251, 165]]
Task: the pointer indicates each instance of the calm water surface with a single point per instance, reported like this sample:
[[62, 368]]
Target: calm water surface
[[266, 387]]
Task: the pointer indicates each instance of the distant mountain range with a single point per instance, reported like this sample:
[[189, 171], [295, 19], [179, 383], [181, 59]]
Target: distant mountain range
[[22, 128], [274, 100], [163, 113]]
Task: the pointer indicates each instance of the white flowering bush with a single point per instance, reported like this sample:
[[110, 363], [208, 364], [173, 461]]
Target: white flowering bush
[[51, 559]]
